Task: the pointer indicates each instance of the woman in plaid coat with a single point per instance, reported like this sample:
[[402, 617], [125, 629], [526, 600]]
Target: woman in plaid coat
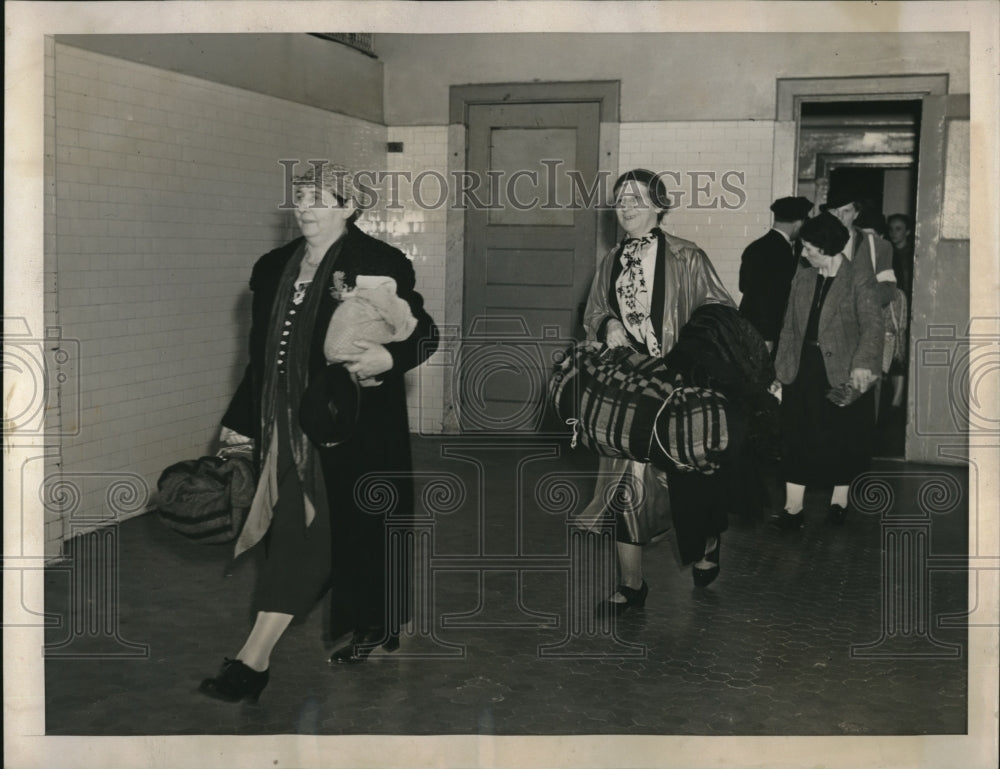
[[644, 291]]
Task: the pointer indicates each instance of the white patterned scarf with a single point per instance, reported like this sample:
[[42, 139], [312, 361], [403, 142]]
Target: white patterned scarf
[[635, 293]]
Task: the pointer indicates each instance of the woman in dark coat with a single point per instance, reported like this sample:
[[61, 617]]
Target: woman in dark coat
[[322, 526], [829, 356]]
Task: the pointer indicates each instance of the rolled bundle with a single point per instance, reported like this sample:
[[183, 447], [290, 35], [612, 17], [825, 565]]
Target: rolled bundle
[[622, 403]]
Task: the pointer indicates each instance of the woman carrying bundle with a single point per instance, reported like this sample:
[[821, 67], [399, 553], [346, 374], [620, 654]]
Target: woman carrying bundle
[[644, 291]]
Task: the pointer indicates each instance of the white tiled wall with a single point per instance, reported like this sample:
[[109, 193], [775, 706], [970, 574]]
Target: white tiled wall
[[418, 227], [164, 190], [742, 149]]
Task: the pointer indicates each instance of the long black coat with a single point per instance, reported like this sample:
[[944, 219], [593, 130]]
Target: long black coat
[[379, 451], [766, 271]]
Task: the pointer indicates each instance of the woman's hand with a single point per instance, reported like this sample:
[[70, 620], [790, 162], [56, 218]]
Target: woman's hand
[[232, 438], [615, 335], [371, 360], [862, 379]]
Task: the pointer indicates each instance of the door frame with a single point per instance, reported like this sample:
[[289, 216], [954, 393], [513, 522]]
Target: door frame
[[606, 93], [791, 92], [932, 91]]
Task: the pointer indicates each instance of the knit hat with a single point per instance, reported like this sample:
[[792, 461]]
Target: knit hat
[[332, 177]]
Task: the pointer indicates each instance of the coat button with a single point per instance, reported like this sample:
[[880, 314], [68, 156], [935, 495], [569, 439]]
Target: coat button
[[828, 354]]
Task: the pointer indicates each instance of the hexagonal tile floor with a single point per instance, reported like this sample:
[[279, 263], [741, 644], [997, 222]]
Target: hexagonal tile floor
[[852, 630]]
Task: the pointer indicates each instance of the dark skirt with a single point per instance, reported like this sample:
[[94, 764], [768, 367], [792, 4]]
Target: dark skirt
[[362, 496], [697, 504], [700, 507], [701, 504], [296, 569], [369, 485], [823, 444]]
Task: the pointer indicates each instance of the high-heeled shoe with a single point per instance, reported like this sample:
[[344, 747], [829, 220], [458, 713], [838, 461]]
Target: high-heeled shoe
[[786, 521], [837, 515], [362, 644], [634, 598], [705, 577], [235, 682]]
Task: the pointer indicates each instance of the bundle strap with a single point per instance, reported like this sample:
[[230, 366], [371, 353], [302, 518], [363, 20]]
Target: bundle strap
[[656, 434], [574, 425]]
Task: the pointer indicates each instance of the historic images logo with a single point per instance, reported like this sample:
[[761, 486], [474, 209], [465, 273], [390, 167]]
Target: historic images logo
[[552, 187]]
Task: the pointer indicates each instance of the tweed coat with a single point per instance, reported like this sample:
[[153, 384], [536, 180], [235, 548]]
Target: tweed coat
[[851, 330]]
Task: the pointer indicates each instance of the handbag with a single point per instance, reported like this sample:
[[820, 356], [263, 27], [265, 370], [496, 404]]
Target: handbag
[[207, 499]]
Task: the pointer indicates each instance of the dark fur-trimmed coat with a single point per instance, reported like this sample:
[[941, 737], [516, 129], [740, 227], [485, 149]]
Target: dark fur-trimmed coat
[[379, 450]]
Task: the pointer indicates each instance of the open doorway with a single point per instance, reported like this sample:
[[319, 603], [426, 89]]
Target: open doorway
[[871, 145]]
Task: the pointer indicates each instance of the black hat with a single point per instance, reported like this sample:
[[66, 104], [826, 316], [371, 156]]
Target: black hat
[[328, 412], [840, 195], [791, 209]]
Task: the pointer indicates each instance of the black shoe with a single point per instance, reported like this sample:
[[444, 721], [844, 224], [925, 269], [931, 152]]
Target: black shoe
[[235, 682], [836, 515], [362, 644], [788, 522], [705, 577], [633, 599]]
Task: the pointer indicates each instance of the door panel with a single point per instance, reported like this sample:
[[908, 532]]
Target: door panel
[[516, 153], [529, 259], [550, 267]]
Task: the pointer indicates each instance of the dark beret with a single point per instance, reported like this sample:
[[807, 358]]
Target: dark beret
[[328, 413], [826, 233], [791, 209]]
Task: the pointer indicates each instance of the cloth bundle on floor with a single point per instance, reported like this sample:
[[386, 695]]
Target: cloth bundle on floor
[[622, 403], [207, 499]]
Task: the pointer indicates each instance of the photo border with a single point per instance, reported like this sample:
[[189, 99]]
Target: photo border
[[24, 707]]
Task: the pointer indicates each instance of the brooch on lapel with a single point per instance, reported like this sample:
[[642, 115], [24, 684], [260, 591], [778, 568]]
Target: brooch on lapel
[[339, 288]]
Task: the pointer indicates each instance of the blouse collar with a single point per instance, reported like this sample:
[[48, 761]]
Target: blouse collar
[[832, 266]]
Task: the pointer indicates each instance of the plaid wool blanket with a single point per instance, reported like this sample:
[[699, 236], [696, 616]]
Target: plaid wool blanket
[[622, 403]]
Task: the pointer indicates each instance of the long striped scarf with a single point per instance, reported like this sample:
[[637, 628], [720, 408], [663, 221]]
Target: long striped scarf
[[299, 345]]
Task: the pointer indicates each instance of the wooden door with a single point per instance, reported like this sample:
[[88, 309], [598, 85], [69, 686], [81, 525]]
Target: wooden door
[[529, 255]]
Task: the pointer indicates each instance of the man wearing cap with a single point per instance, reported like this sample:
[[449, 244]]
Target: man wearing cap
[[767, 267], [847, 204]]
